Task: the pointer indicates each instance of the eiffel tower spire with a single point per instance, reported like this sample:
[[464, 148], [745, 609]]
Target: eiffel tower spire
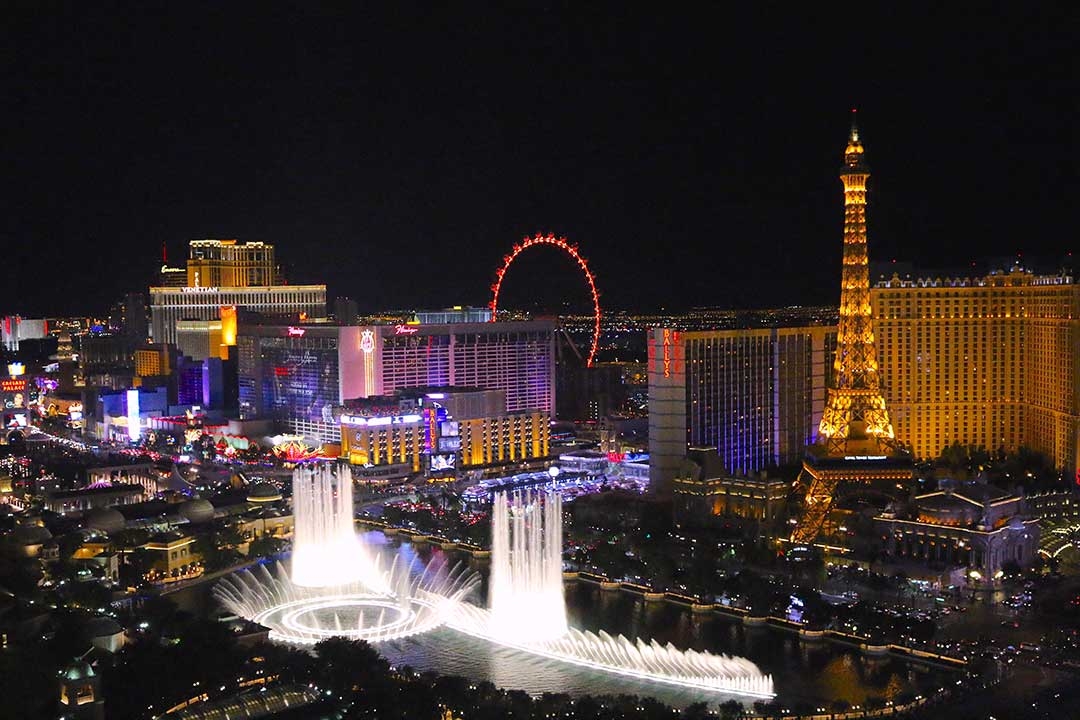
[[855, 438]]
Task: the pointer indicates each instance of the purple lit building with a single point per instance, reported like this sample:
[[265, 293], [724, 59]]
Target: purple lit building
[[298, 374]]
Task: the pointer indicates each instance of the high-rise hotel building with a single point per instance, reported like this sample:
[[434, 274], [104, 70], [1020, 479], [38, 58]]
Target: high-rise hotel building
[[754, 395], [225, 273], [297, 374], [991, 361]]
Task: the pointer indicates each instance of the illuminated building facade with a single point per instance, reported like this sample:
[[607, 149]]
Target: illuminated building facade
[[14, 328], [975, 527], [855, 439], [298, 373], [515, 357], [284, 302], [438, 431], [705, 491], [154, 360], [991, 361], [752, 395], [227, 263], [223, 276]]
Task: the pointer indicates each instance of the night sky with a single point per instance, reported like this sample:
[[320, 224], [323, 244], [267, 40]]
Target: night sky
[[397, 154]]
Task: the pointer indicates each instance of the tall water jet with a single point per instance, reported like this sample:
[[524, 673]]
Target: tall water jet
[[326, 551], [526, 593], [527, 610]]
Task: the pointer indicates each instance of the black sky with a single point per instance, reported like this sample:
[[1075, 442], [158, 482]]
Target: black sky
[[396, 154]]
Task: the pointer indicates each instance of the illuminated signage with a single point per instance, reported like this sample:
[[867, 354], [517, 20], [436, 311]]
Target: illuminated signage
[[377, 421], [443, 462], [134, 431], [429, 429], [13, 385], [295, 331], [667, 353], [15, 369], [367, 340], [405, 330], [198, 289], [865, 457]]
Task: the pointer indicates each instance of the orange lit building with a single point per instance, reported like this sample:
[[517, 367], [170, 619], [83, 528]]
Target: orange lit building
[[224, 276], [991, 361], [153, 360], [438, 431], [227, 263], [705, 491]]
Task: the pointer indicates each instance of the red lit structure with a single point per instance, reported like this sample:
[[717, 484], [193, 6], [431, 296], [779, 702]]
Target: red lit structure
[[572, 251]]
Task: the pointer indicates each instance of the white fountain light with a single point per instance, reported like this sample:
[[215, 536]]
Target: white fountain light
[[528, 610], [338, 589], [304, 615], [526, 594], [326, 551]]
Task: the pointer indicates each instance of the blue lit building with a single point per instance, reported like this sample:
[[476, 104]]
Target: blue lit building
[[754, 395]]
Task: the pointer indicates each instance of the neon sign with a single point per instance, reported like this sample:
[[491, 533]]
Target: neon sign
[[405, 330], [377, 421], [667, 353], [367, 341], [295, 331], [12, 386], [16, 368], [198, 289]]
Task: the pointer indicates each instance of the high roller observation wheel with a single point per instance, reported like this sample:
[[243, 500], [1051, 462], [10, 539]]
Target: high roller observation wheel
[[572, 251]]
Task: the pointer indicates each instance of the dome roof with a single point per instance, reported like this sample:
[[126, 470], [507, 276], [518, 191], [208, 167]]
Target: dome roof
[[102, 626], [32, 534], [107, 520], [78, 670], [196, 511], [263, 492]]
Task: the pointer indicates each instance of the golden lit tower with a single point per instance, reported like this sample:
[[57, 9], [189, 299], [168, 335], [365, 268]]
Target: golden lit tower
[[855, 439]]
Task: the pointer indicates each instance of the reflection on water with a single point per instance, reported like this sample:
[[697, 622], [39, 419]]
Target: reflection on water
[[449, 652], [812, 672]]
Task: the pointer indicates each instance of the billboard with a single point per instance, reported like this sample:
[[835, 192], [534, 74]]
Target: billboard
[[443, 462], [450, 444]]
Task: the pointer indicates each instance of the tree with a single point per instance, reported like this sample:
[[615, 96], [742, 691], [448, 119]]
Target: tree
[[266, 546], [731, 710], [346, 662], [696, 711], [137, 563]]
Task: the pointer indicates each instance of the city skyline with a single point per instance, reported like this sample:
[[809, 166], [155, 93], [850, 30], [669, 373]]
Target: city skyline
[[658, 145]]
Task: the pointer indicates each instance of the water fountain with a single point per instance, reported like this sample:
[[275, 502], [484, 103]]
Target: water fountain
[[337, 588], [528, 610], [326, 551], [526, 590]]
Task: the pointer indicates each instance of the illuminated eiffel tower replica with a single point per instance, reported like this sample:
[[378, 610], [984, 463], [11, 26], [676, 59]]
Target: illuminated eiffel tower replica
[[855, 441]]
